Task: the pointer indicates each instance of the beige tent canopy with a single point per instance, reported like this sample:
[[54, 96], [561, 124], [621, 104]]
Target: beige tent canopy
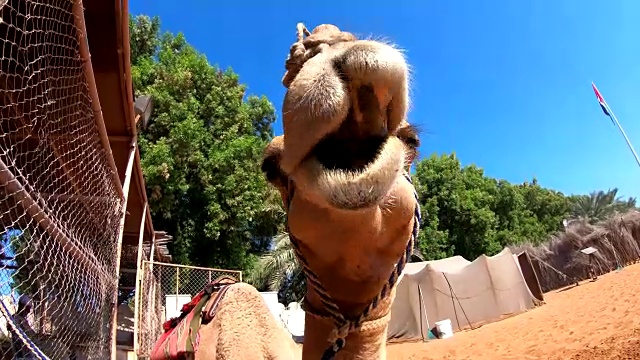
[[467, 293]]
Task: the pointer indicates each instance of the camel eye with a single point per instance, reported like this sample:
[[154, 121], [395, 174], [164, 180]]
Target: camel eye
[[413, 142]]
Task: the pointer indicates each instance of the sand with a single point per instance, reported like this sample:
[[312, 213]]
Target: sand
[[595, 320]]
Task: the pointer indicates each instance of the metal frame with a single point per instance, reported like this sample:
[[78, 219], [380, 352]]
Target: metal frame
[[239, 272], [136, 309], [78, 12], [126, 187]]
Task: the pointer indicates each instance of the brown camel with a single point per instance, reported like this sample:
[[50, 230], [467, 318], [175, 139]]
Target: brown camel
[[352, 213], [341, 170]]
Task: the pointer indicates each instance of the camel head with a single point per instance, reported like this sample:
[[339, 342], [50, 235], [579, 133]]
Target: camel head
[[340, 165], [346, 138]]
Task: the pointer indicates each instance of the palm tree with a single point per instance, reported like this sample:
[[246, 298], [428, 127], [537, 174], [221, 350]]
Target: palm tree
[[600, 205], [278, 270]]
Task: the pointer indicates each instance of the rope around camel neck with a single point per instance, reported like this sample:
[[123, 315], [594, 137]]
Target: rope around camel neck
[[344, 326]]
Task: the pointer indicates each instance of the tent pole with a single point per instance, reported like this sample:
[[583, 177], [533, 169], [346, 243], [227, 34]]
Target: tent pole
[[426, 316]]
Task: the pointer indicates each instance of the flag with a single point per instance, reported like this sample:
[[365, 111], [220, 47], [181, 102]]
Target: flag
[[603, 105]]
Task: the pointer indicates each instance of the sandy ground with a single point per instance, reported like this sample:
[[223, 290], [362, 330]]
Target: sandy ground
[[596, 320]]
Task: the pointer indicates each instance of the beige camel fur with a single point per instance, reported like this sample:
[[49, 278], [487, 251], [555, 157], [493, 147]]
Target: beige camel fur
[[244, 329], [345, 148]]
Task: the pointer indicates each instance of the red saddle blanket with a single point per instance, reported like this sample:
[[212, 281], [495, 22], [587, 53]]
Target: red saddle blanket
[[181, 334]]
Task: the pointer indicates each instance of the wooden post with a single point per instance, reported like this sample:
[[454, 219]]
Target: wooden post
[[125, 187], [139, 277]]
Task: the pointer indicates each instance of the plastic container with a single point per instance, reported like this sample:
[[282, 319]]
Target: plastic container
[[445, 330]]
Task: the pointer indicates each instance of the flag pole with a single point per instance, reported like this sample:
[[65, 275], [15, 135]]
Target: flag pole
[[617, 123]]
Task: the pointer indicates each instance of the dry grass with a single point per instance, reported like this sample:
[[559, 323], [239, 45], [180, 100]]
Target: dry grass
[[559, 262]]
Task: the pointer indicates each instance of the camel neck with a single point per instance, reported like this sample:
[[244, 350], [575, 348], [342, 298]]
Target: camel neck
[[368, 344]]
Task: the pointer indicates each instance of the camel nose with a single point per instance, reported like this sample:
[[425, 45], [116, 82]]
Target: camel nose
[[369, 112], [377, 76]]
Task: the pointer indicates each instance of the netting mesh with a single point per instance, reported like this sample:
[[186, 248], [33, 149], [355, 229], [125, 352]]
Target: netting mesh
[[164, 289], [59, 205]]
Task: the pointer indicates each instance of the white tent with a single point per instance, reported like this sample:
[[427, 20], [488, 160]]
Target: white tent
[[467, 293]]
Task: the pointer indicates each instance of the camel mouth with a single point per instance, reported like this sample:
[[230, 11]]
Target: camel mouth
[[352, 175], [355, 166], [361, 135], [348, 155]]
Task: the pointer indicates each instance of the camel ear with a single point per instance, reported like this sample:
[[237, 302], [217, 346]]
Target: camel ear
[[271, 163], [408, 134]]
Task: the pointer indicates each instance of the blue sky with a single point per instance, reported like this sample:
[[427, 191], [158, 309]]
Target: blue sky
[[504, 84]]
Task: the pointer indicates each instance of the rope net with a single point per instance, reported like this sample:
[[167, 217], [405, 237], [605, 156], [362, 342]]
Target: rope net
[[60, 207], [164, 289]]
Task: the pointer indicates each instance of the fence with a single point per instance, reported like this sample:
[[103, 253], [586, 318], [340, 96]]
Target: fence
[[164, 288], [60, 205]]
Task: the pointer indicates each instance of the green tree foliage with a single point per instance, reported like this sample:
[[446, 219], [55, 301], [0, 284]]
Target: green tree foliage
[[467, 213], [201, 152]]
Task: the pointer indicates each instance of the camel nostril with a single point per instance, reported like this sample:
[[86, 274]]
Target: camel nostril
[[353, 146], [371, 67], [371, 115], [339, 66], [371, 101], [361, 136], [367, 98]]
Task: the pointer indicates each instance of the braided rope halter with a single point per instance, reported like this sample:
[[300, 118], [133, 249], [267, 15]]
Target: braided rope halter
[[35, 351], [344, 326]]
